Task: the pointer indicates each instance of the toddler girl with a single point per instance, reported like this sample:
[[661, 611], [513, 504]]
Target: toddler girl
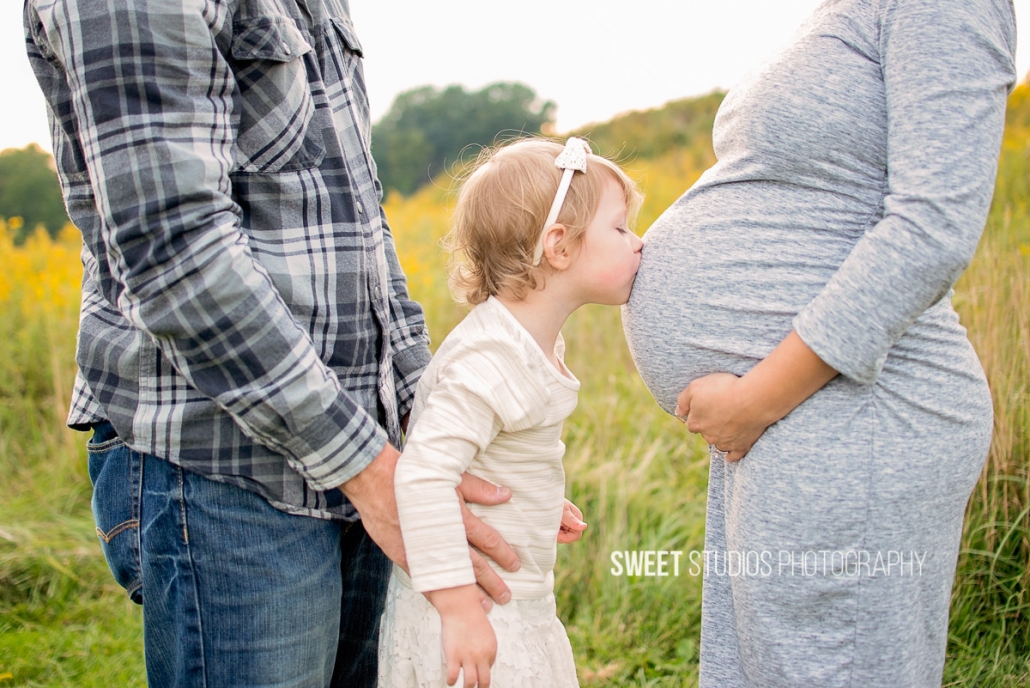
[[538, 231]]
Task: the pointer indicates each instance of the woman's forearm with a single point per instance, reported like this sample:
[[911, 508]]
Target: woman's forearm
[[791, 373], [732, 412]]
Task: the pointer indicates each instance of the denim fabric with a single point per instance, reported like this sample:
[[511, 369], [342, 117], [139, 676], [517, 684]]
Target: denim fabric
[[234, 591], [116, 473]]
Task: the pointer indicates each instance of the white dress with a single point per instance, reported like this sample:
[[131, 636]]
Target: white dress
[[491, 403]]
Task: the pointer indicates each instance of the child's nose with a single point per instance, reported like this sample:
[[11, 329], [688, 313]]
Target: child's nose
[[636, 242]]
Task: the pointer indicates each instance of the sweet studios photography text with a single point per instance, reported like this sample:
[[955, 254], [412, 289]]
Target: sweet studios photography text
[[764, 563]]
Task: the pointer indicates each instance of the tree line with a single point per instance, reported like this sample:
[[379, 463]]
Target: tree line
[[29, 189], [426, 133]]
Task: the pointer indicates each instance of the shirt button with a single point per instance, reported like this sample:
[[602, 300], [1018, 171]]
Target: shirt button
[[378, 293], [361, 209], [286, 47]]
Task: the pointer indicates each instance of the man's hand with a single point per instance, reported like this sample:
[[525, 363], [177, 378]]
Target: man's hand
[[572, 524], [485, 538], [371, 493]]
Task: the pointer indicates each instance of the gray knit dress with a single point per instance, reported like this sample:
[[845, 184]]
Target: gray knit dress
[[854, 175]]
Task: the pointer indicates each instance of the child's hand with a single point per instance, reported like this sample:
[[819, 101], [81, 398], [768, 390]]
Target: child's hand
[[572, 524], [469, 642]]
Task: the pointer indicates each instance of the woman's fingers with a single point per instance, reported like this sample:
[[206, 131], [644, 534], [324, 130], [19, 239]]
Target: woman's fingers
[[683, 404]]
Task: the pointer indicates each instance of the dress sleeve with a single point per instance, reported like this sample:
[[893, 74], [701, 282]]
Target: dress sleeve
[[483, 389], [947, 67], [151, 93]]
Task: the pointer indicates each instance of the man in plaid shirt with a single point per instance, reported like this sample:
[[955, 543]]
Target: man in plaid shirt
[[247, 345]]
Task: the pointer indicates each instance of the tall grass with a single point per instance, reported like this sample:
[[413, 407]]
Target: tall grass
[[990, 622], [63, 620], [639, 477]]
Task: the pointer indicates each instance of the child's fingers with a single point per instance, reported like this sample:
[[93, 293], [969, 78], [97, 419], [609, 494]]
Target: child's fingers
[[453, 667], [483, 672], [471, 676]]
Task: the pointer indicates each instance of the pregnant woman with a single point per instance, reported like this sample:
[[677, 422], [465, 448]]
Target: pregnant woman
[[802, 290]]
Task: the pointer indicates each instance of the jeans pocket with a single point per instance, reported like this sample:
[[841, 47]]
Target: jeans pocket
[[116, 473]]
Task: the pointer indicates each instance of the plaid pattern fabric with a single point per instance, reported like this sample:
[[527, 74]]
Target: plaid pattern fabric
[[244, 314]]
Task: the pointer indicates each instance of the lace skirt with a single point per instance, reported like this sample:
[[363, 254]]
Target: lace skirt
[[533, 650]]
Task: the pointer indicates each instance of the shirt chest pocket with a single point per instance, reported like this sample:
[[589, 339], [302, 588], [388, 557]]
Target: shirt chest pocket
[[274, 101]]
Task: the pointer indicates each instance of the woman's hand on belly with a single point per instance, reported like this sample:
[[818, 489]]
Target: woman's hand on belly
[[731, 413], [712, 407]]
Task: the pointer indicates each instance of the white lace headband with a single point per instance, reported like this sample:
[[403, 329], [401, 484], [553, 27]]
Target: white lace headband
[[573, 158]]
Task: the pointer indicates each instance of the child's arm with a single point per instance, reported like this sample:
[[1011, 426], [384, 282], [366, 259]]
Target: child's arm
[[478, 389], [469, 642]]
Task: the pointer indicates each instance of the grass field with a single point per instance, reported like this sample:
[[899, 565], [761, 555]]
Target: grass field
[[638, 476]]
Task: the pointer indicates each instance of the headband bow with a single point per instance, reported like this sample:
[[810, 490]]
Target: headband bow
[[571, 160]]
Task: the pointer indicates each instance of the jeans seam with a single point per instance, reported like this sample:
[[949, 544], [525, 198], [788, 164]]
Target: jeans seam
[[137, 512], [103, 446], [180, 474], [120, 528]]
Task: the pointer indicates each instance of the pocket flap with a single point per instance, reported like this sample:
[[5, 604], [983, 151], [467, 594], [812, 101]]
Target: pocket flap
[[268, 38], [346, 31]]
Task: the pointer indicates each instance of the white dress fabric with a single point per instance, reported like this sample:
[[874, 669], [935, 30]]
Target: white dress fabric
[[491, 403], [533, 650]]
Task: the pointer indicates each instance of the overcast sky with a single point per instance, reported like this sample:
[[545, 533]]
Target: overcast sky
[[594, 58]]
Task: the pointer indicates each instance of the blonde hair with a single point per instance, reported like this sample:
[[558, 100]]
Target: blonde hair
[[502, 206]]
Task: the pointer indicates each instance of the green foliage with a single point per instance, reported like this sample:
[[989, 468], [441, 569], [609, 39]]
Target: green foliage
[[427, 129], [29, 189], [648, 134]]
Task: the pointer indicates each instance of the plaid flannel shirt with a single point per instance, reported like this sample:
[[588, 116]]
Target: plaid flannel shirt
[[244, 314]]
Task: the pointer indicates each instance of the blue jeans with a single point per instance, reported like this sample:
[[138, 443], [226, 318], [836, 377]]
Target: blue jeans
[[234, 591]]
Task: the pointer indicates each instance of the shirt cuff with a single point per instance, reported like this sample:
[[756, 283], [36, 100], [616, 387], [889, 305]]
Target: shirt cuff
[[408, 366], [336, 447], [857, 350]]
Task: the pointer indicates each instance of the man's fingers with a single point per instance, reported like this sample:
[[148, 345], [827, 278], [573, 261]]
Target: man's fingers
[[489, 541], [488, 578], [484, 600], [478, 491]]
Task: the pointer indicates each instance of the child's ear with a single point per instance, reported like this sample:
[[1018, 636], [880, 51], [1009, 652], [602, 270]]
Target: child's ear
[[556, 248]]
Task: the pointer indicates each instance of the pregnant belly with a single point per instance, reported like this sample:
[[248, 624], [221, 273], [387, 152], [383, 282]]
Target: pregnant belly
[[705, 301]]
